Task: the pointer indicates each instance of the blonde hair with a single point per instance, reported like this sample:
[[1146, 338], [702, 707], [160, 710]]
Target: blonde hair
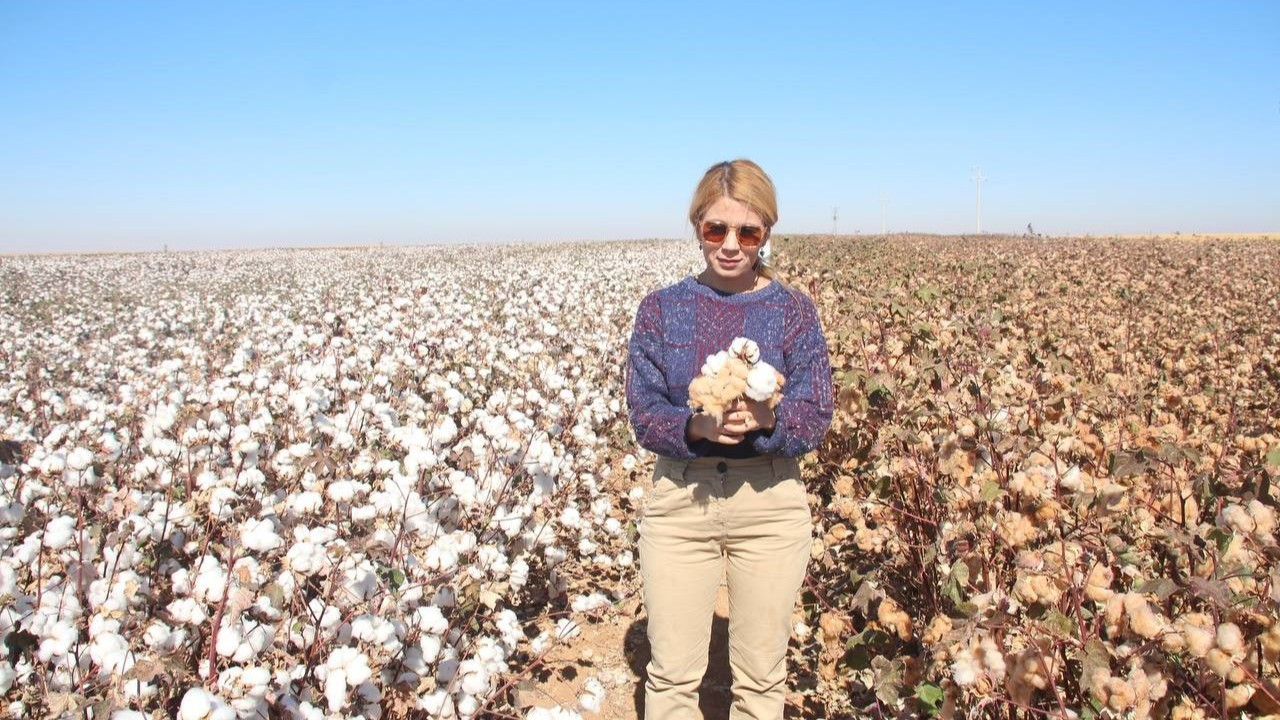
[[740, 180]]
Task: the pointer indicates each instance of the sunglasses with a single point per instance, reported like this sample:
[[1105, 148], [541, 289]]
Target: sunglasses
[[749, 236]]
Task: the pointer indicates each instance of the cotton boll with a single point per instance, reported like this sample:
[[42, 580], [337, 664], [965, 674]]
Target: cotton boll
[[445, 432], [1264, 521], [894, 619], [163, 639], [429, 619], [307, 502], [79, 459], [335, 689], [715, 363], [438, 704], [1229, 638], [430, 646], [187, 611], [59, 532], [1098, 584], [588, 603], [592, 698], [222, 502], [762, 382], [519, 576], [745, 349], [1237, 518], [198, 704], [260, 535], [1219, 662], [566, 629], [1197, 637], [472, 676], [466, 705], [964, 668], [229, 637], [1142, 619]]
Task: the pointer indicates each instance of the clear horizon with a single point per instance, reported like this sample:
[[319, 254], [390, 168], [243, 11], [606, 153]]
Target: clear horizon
[[132, 126]]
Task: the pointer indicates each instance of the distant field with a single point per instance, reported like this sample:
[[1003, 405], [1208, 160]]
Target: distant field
[[391, 481]]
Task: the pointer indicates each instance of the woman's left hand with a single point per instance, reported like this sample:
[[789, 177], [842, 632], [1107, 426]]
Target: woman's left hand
[[745, 416]]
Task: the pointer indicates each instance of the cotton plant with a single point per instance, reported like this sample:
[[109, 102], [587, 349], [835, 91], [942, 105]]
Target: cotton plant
[[267, 470]]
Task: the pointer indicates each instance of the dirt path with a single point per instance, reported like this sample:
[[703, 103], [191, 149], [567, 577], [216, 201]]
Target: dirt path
[[615, 651]]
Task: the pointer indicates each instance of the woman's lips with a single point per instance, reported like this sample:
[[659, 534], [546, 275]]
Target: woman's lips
[[729, 263]]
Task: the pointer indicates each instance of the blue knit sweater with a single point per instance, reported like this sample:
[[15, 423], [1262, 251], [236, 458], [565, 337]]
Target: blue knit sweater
[[677, 327]]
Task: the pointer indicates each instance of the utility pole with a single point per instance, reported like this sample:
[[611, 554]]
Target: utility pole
[[835, 213], [978, 178]]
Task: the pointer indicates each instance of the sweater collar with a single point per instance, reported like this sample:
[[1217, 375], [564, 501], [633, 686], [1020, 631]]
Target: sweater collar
[[767, 292]]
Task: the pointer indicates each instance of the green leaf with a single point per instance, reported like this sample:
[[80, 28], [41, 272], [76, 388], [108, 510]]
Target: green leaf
[[859, 658], [1221, 538], [1129, 557], [1127, 465], [930, 696], [1060, 624], [991, 491], [1095, 658], [1160, 587], [1273, 458], [888, 679]]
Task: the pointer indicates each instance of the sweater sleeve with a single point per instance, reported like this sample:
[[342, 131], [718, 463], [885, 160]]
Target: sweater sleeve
[[803, 416], [659, 424]]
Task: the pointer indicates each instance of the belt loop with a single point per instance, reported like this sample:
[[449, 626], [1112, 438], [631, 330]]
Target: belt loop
[[681, 467], [779, 468]]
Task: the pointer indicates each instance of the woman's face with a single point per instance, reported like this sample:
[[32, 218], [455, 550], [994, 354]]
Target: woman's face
[[729, 261]]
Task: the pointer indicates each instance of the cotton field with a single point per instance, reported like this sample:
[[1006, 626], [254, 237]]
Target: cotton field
[[386, 482], [323, 483], [1049, 489]]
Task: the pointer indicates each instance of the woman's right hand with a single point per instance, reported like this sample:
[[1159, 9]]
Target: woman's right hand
[[704, 427]]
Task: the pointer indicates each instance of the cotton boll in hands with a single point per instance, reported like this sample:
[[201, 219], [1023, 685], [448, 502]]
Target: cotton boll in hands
[[729, 376], [745, 350], [715, 363], [764, 384]]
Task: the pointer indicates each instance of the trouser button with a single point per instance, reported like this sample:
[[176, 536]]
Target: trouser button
[[722, 466]]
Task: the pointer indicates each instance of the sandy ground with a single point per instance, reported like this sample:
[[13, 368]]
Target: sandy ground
[[615, 651]]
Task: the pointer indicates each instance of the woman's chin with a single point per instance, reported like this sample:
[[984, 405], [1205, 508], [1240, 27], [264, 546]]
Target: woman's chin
[[731, 269]]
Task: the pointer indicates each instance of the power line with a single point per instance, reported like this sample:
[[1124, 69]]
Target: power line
[[978, 178]]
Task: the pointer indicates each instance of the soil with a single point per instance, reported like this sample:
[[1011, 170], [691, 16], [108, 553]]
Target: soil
[[615, 651]]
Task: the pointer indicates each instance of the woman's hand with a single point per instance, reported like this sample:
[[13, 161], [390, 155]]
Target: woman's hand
[[704, 427], [745, 416], [740, 418]]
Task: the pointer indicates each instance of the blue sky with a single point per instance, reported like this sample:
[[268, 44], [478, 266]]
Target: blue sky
[[131, 126]]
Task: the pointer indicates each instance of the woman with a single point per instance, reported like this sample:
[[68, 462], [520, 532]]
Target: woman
[[727, 496]]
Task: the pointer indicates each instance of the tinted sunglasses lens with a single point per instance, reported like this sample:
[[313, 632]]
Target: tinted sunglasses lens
[[750, 235], [714, 232]]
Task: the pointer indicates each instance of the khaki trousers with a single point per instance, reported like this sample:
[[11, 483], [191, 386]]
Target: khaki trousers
[[703, 520]]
